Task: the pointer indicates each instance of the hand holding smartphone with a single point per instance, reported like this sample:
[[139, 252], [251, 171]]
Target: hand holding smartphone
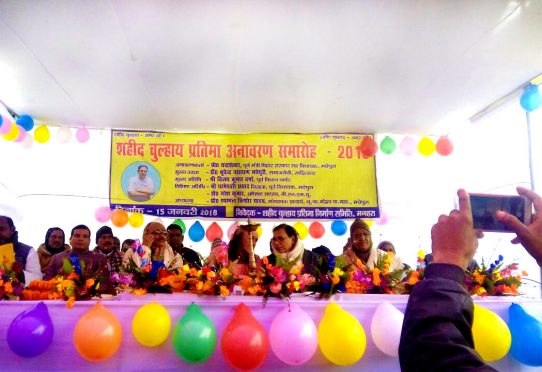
[[484, 207]]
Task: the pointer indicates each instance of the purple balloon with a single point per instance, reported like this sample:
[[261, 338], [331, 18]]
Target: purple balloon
[[293, 336], [31, 332]]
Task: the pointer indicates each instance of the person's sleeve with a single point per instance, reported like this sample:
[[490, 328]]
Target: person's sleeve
[[131, 186], [32, 269], [436, 332]]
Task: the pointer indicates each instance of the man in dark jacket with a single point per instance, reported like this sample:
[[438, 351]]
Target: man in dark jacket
[[27, 264], [437, 328]]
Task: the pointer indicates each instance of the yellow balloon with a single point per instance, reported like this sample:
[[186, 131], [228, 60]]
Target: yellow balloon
[[426, 146], [341, 337], [41, 134], [301, 229], [259, 231], [369, 222], [13, 133], [151, 324], [136, 219], [492, 337]]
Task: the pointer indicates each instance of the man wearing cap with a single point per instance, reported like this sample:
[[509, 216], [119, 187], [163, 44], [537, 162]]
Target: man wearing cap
[[175, 239], [105, 246], [360, 246]]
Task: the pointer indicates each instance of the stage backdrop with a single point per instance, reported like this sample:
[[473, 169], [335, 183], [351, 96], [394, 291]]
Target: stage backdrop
[[259, 176]]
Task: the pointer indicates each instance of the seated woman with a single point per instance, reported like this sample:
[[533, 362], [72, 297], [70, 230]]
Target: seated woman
[[55, 242], [240, 250], [155, 252], [287, 245]]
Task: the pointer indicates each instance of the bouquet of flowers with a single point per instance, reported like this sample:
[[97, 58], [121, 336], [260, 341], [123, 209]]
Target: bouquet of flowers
[[75, 285], [336, 279], [10, 287], [380, 279], [280, 280], [496, 280]]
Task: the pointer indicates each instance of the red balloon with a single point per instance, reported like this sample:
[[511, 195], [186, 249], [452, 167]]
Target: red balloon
[[368, 147], [317, 230], [214, 231], [245, 344], [444, 146]]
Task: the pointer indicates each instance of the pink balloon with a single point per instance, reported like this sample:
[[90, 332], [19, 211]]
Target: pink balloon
[[408, 146], [22, 134], [383, 219], [103, 214], [293, 336], [6, 125], [232, 228], [82, 135]]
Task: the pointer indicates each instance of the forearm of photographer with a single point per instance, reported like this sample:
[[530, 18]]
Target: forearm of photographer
[[529, 236], [437, 325]]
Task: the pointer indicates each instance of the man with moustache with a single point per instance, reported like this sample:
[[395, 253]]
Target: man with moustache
[[155, 250], [87, 263], [26, 265], [105, 246]]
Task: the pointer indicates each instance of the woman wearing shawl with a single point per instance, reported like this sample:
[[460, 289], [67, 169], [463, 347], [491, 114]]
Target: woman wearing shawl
[[55, 242]]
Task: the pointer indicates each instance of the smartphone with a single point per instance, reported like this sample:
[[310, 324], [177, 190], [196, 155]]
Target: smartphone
[[484, 207]]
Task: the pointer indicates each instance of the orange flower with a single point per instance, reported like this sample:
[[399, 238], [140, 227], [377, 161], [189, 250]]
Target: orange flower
[[89, 282], [8, 287], [139, 291], [414, 278], [70, 302], [376, 276], [224, 291]]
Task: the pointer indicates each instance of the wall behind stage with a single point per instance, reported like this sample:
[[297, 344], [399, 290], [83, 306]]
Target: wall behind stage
[[57, 184]]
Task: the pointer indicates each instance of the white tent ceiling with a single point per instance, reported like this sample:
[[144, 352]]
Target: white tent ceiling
[[400, 66]]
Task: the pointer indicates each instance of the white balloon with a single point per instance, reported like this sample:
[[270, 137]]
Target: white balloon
[[386, 328], [64, 134]]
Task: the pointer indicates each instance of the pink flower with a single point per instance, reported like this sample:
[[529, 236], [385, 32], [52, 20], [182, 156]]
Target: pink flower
[[275, 287]]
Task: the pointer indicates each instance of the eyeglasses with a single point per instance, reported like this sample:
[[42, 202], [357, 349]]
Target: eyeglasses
[[159, 232]]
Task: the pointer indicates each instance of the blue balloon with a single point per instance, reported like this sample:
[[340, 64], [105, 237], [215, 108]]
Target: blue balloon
[[31, 332], [26, 122], [530, 99], [526, 333], [196, 232], [338, 227]]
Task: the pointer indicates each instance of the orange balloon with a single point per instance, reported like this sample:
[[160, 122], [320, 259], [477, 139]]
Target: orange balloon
[[98, 334], [119, 217]]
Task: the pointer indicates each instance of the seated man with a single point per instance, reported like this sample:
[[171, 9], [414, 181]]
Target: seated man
[[105, 246], [175, 239], [27, 264], [156, 251], [360, 246], [95, 264]]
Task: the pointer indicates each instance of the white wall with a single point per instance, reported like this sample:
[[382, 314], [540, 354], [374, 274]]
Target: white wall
[[57, 184]]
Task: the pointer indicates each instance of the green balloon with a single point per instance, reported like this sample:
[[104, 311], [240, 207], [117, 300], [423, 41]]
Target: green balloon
[[181, 224], [194, 336], [388, 145]]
